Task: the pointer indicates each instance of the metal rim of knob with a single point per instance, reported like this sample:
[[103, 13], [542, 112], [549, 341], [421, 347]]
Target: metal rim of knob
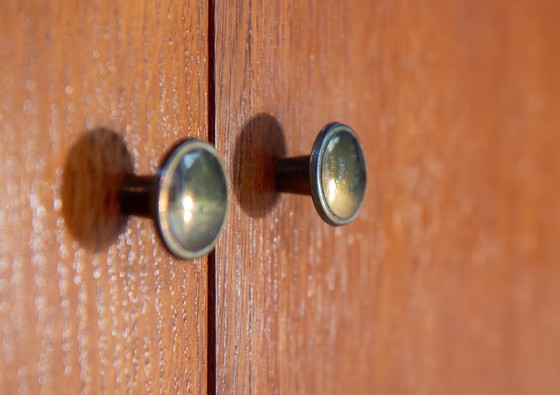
[[192, 166]]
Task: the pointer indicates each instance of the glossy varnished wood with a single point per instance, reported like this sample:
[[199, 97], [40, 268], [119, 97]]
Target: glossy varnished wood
[[447, 280], [90, 303]]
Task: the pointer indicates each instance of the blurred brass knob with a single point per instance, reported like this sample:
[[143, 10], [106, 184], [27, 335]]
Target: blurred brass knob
[[334, 174], [188, 198]]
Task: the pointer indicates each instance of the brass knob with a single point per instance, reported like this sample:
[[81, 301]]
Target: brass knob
[[188, 198], [334, 174]]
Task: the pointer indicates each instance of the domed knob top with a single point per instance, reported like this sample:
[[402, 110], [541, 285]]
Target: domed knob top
[[337, 171], [193, 199]]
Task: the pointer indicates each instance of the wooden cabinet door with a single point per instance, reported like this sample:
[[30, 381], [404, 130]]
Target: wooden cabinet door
[[90, 89], [447, 282]]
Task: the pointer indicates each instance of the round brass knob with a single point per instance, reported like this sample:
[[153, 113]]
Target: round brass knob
[[334, 174], [188, 198]]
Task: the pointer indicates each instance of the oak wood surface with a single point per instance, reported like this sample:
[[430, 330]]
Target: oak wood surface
[[91, 303], [447, 282]]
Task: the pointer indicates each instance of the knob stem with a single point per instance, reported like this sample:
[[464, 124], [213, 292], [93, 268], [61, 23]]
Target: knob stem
[[137, 195], [292, 175]]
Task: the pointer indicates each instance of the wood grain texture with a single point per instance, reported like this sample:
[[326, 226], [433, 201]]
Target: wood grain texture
[[83, 310], [447, 281]]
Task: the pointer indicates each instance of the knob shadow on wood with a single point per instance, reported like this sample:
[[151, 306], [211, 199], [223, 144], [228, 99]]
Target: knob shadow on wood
[[258, 148], [93, 173]]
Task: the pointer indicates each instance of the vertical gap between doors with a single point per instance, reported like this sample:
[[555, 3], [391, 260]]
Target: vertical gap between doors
[[211, 300]]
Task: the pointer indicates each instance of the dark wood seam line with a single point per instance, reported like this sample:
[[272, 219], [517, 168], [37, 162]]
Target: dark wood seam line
[[211, 274]]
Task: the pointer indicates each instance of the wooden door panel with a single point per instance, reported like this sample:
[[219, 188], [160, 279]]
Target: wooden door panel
[[90, 89], [446, 281]]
